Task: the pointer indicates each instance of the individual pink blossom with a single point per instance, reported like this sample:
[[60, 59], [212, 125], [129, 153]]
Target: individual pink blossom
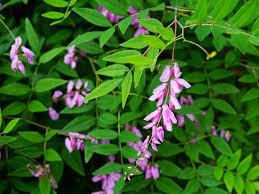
[[110, 16], [227, 136], [168, 118], [70, 58], [17, 64], [28, 54], [152, 172], [53, 114], [214, 131], [174, 103], [108, 182], [154, 116], [56, 95], [166, 74], [15, 47], [158, 94], [141, 31]]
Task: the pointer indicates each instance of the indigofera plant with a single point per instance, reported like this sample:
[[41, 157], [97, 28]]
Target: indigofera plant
[[129, 96]]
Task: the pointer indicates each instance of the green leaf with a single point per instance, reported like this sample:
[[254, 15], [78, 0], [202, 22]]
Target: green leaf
[[81, 123], [106, 35], [215, 190], [223, 106], [51, 155], [253, 173], [44, 183], [32, 36], [107, 118], [199, 89], [125, 88], [205, 149], [143, 41], [128, 116], [137, 75], [247, 79], [250, 95], [221, 145], [218, 172], [169, 149], [53, 15], [233, 162], [103, 89], [192, 186], [224, 88], [114, 7], [103, 134], [6, 139], [168, 168], [128, 56], [222, 161], [219, 74], [239, 184], [37, 106], [168, 186], [93, 17], [74, 161], [14, 108], [243, 16], [244, 165], [108, 169], [119, 185], [14, 89], [129, 152], [10, 126], [223, 8], [47, 84], [32, 136], [104, 149], [250, 188], [56, 3], [77, 110], [195, 77], [124, 24], [49, 55], [86, 37], [151, 24], [113, 70], [200, 11], [229, 180], [128, 136]]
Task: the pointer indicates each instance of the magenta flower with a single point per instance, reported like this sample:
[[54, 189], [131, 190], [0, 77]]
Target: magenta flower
[[152, 172], [70, 58], [110, 16], [166, 74], [154, 116], [227, 136], [15, 47], [168, 117], [214, 131], [56, 95], [53, 114], [158, 94], [28, 54], [141, 31]]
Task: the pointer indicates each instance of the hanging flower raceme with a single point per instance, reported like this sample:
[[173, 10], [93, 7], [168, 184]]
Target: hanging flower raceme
[[71, 58], [16, 63], [76, 141], [75, 94], [39, 172], [115, 19], [172, 84]]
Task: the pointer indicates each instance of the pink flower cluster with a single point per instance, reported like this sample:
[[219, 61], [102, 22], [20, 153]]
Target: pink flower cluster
[[17, 64], [171, 86], [115, 18], [108, 182], [76, 141], [71, 58], [40, 172], [151, 171], [223, 133], [74, 97]]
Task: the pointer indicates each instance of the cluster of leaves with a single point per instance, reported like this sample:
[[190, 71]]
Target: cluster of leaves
[[224, 89]]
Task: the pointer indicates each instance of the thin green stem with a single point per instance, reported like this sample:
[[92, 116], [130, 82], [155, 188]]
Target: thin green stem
[[7, 28], [119, 132]]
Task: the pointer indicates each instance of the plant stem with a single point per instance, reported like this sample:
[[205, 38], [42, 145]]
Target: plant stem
[[119, 132], [7, 28], [175, 31]]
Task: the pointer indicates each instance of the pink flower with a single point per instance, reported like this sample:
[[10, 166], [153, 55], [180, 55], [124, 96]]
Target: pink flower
[[227, 136], [166, 74], [15, 47], [70, 57], [174, 103], [53, 114], [69, 145], [168, 118], [141, 31], [79, 84], [28, 54], [110, 16], [108, 182], [56, 95], [154, 116], [159, 93], [214, 131], [152, 172]]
